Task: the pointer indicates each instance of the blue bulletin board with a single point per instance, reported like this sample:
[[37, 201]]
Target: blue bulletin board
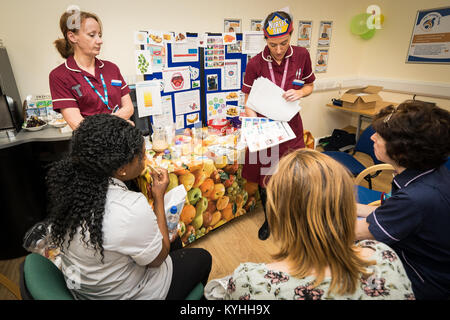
[[223, 78], [213, 73], [178, 64]]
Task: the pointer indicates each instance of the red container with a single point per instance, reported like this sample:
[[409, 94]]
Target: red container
[[218, 126]]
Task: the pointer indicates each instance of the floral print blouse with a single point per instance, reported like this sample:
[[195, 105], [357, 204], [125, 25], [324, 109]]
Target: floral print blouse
[[254, 281]]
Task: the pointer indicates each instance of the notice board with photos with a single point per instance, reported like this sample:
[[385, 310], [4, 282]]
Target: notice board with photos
[[189, 81], [224, 69], [174, 81]]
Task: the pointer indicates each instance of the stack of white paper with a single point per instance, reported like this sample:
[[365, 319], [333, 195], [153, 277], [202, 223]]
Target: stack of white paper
[[267, 99]]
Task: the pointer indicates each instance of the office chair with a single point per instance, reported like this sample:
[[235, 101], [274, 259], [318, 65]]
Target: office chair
[[40, 279], [369, 196], [364, 145]]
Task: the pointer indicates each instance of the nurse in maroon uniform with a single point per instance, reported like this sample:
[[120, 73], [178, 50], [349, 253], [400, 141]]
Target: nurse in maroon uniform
[[84, 85], [289, 67]]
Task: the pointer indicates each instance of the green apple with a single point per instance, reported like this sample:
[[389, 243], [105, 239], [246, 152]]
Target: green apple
[[194, 195]]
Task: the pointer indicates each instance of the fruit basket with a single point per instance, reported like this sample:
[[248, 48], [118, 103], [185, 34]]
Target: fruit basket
[[212, 177]]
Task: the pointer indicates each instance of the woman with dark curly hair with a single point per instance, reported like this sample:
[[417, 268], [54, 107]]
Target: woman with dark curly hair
[[415, 221], [114, 246]]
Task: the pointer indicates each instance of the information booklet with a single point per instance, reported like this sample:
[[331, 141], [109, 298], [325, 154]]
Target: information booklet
[[263, 133]]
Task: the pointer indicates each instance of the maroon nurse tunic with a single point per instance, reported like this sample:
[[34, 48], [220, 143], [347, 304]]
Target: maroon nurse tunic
[[257, 164]]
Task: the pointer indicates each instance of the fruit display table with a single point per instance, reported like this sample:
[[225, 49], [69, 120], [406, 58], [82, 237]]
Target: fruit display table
[[209, 168]]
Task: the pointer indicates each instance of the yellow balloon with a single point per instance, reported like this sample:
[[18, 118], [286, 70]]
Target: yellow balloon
[[381, 19]]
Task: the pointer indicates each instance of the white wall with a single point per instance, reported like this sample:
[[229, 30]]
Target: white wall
[[28, 29]]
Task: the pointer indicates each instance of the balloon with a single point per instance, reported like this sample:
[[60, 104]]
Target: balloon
[[374, 20], [369, 34], [358, 25]]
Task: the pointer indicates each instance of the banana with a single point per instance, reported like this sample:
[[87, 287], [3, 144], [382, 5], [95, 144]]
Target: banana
[[195, 119]]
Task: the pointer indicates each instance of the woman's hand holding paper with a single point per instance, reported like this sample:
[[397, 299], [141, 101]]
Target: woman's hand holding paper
[[293, 95]]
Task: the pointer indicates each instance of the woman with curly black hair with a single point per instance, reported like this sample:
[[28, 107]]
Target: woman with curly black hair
[[415, 221], [114, 246]]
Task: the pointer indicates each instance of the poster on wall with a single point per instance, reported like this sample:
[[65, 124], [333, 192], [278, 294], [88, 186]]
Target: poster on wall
[[253, 42], [176, 79], [216, 105], [256, 25], [214, 52], [232, 25], [430, 39], [321, 60], [325, 33], [158, 55], [186, 51], [304, 34], [148, 98], [143, 62], [187, 101], [166, 117], [231, 74]]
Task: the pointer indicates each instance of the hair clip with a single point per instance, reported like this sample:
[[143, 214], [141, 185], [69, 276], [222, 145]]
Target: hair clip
[[388, 117]]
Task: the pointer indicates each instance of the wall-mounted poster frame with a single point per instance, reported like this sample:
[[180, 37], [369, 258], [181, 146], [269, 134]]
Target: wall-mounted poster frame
[[304, 33], [256, 24], [430, 38], [232, 25], [325, 32], [322, 57]]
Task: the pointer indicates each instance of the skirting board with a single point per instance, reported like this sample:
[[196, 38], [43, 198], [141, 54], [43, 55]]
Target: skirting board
[[429, 89]]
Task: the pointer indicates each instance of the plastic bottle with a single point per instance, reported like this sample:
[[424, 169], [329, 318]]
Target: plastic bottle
[[173, 216], [176, 151]]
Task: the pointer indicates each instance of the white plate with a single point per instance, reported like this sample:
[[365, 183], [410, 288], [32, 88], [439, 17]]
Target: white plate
[[57, 124], [34, 128]]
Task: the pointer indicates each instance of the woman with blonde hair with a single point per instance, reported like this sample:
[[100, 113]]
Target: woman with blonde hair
[[84, 85], [312, 212]]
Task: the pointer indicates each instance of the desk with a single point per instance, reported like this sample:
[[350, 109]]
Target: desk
[[23, 167], [47, 134], [363, 114]]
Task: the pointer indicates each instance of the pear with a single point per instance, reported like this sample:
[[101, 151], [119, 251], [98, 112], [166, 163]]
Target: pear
[[201, 206], [197, 222], [173, 181]]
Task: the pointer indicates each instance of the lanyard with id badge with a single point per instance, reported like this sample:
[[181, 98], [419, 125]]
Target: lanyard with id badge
[[105, 91]]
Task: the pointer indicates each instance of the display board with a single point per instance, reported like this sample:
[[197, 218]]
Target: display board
[[179, 73], [224, 69], [200, 77]]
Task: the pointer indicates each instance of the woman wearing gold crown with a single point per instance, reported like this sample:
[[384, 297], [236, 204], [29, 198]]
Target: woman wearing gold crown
[[289, 67]]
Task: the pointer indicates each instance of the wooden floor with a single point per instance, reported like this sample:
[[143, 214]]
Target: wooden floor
[[233, 243]]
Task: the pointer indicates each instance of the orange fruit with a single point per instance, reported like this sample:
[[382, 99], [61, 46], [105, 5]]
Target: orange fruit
[[227, 213], [207, 187], [222, 202], [188, 214]]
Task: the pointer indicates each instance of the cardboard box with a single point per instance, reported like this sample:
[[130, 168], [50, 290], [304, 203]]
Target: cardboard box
[[362, 98]]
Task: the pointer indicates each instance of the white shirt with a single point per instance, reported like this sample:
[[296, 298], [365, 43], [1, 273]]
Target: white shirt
[[131, 240]]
